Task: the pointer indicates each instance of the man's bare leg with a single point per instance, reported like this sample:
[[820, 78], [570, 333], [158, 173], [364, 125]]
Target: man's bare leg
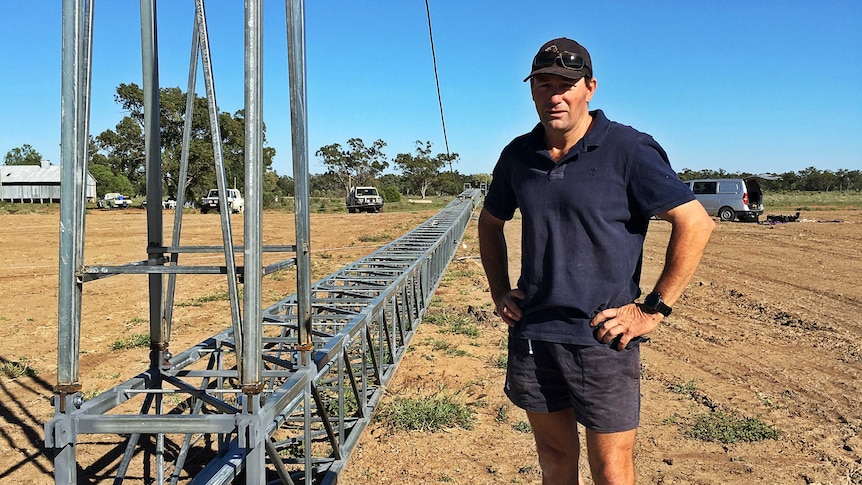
[[558, 446], [612, 457]]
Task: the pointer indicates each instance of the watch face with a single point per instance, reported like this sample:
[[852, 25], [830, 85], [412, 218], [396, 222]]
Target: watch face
[[654, 303]]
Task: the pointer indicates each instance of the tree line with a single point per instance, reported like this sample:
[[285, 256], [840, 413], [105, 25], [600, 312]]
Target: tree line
[[807, 180], [117, 159]]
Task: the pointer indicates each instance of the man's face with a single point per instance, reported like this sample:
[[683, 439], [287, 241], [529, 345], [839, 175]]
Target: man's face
[[561, 102]]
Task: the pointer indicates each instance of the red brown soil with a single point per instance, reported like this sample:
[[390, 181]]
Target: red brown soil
[[768, 329]]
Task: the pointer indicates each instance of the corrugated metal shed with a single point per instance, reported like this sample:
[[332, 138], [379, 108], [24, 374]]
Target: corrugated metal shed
[[36, 184]]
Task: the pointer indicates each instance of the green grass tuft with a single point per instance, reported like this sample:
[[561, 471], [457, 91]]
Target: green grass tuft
[[14, 370], [462, 325], [684, 388], [375, 238], [427, 414], [522, 427], [199, 301], [722, 427], [137, 340]]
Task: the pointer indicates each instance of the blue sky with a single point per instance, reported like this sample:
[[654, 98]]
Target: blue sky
[[764, 86]]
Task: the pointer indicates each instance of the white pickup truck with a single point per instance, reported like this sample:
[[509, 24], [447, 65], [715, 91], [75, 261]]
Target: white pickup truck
[[234, 201], [363, 199], [114, 200]]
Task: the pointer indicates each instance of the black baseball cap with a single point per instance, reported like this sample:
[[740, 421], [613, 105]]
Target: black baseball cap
[[562, 57]]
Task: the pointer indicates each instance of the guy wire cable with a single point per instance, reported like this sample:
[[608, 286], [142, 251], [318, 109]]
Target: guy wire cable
[[439, 98]]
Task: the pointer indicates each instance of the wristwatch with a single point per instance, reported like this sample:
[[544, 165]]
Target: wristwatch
[[654, 304]]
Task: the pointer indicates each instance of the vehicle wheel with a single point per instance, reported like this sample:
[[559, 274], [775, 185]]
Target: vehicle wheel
[[726, 214], [204, 211]]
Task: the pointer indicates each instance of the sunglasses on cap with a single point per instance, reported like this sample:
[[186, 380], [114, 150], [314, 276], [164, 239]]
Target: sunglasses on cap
[[567, 59]]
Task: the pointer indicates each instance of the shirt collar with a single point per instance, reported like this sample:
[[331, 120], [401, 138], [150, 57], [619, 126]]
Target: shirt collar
[[593, 139]]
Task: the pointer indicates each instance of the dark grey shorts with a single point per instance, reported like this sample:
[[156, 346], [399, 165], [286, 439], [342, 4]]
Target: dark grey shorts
[[601, 384]]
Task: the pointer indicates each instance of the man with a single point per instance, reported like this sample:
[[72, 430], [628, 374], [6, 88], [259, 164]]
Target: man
[[586, 188]]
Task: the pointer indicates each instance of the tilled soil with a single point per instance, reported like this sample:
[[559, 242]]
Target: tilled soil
[[768, 331]]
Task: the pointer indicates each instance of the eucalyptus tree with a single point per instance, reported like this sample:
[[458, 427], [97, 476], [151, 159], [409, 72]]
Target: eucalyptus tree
[[23, 155], [355, 165], [122, 148], [420, 169]]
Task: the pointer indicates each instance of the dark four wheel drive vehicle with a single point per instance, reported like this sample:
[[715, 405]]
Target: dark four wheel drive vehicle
[[729, 199], [364, 199]]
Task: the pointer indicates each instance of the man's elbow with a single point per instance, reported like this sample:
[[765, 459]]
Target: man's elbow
[[488, 222], [706, 224], [699, 230], [692, 218]]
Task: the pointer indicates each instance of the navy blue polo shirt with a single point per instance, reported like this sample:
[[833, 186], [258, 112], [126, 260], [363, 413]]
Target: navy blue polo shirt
[[584, 221]]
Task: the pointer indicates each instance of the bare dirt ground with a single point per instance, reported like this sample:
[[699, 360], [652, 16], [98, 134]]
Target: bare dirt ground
[[769, 329]]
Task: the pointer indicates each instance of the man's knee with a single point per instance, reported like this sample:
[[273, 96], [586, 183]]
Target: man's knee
[[611, 457], [555, 453], [557, 444], [612, 472], [559, 464]]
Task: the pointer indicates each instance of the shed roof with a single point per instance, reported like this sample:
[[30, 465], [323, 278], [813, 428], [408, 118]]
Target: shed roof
[[33, 174]]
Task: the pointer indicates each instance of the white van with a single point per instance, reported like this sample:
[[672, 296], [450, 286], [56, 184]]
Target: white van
[[729, 199]]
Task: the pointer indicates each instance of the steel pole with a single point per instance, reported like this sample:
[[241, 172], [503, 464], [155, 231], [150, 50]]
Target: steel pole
[[153, 152], [69, 287], [69, 291], [299, 132], [253, 277], [153, 164]]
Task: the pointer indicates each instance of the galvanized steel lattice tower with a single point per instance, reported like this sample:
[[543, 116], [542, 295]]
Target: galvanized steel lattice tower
[[283, 393]]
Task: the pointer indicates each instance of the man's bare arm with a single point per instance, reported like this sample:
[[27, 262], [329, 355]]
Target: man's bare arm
[[691, 229], [495, 260]]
